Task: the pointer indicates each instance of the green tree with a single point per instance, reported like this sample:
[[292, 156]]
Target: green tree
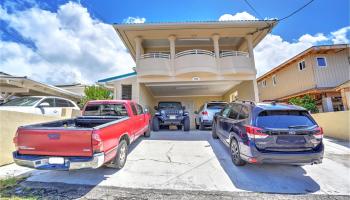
[[95, 92], [306, 101]]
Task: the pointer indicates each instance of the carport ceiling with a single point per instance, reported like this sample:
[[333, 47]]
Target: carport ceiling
[[217, 88]]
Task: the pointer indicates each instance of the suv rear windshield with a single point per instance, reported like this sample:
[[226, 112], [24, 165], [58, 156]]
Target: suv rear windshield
[[173, 105], [215, 105], [284, 119], [117, 110]]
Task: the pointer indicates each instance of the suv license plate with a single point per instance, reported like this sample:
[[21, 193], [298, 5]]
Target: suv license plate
[[172, 117], [56, 160]]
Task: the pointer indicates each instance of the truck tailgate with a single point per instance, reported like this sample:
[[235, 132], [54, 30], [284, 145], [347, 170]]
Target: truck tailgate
[[55, 142]]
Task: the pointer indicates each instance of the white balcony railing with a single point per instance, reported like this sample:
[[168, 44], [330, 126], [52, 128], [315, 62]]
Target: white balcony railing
[[235, 62], [154, 64], [233, 53], [155, 55], [194, 52]]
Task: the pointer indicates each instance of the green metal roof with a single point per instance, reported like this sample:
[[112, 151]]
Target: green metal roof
[[117, 77]]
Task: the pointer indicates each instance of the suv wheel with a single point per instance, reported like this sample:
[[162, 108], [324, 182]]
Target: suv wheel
[[201, 126], [179, 127], [195, 122], [155, 124], [122, 153], [235, 153], [187, 124], [213, 131]]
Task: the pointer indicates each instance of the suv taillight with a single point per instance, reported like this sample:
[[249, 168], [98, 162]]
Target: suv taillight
[[318, 133], [255, 132], [15, 140], [97, 145], [204, 113]]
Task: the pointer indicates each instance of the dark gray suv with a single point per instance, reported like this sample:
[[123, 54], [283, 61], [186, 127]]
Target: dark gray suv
[[170, 113], [269, 133]]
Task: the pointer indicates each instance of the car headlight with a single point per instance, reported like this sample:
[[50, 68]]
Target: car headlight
[[157, 113]]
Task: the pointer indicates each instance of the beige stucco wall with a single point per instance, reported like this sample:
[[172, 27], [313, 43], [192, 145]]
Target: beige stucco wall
[[334, 124], [146, 98], [245, 91], [10, 121], [289, 80]]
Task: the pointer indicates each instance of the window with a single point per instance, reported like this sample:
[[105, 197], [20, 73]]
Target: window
[[139, 109], [117, 110], [215, 106], [263, 83], [274, 82], [284, 119], [233, 96], [63, 103], [244, 114], [126, 92], [301, 65], [133, 108], [235, 109], [225, 112], [23, 101], [50, 101], [321, 62]]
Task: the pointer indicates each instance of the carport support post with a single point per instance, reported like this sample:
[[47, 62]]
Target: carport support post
[[172, 39], [249, 39]]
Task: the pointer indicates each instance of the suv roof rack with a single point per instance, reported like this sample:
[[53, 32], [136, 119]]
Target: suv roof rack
[[245, 101]]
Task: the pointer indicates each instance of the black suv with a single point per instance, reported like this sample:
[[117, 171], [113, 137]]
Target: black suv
[[170, 113], [269, 133]]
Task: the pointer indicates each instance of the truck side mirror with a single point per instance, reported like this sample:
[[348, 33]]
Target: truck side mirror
[[155, 107]]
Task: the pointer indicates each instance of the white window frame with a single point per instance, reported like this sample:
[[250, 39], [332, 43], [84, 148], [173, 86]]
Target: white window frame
[[264, 83], [325, 61], [304, 65], [274, 81]]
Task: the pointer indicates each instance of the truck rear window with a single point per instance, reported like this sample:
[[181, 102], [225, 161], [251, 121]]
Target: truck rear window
[[284, 119], [117, 110]]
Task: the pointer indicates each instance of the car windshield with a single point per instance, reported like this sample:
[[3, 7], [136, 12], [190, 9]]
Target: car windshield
[[23, 101], [216, 106], [174, 105], [117, 110], [284, 119]]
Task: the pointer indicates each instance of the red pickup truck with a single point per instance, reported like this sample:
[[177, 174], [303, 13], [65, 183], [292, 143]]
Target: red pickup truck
[[99, 137]]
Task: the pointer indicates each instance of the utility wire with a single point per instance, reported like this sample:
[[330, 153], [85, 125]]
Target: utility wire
[[296, 11], [252, 7]]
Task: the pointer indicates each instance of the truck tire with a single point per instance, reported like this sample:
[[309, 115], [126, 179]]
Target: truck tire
[[213, 131], [187, 124], [155, 124], [148, 131], [122, 153]]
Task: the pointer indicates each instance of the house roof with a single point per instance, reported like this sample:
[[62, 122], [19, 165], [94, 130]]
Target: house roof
[[122, 76], [199, 29], [23, 86], [313, 49]]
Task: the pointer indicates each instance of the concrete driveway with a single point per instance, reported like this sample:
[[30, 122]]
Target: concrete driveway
[[194, 161]]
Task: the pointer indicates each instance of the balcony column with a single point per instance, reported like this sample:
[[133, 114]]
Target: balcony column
[[249, 39], [215, 39], [172, 39], [138, 49]]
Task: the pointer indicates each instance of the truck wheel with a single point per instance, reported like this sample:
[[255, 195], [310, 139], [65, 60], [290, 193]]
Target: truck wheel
[[155, 124], [122, 154], [148, 132], [236, 154], [213, 131], [179, 127], [187, 124]]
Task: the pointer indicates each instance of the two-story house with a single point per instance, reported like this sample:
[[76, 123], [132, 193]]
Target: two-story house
[[322, 72], [191, 62]]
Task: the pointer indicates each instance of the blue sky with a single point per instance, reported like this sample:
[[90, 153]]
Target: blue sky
[[44, 34]]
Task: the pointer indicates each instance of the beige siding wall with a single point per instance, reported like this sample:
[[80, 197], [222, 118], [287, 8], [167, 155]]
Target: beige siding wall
[[336, 72], [245, 91], [290, 80], [146, 98]]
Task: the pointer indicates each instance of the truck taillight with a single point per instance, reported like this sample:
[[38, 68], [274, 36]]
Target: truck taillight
[[255, 132], [97, 145], [318, 133], [204, 113], [15, 140]]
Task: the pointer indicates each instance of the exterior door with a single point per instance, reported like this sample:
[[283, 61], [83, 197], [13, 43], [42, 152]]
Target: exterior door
[[137, 121]]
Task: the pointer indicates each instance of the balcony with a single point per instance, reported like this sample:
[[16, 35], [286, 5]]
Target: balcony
[[154, 64], [195, 60], [235, 62]]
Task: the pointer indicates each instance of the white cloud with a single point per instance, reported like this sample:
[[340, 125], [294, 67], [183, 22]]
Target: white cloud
[[341, 36], [238, 16], [70, 46], [134, 20]]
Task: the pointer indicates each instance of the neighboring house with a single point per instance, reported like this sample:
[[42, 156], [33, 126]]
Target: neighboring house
[[19, 86], [191, 62], [77, 88], [322, 72]]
